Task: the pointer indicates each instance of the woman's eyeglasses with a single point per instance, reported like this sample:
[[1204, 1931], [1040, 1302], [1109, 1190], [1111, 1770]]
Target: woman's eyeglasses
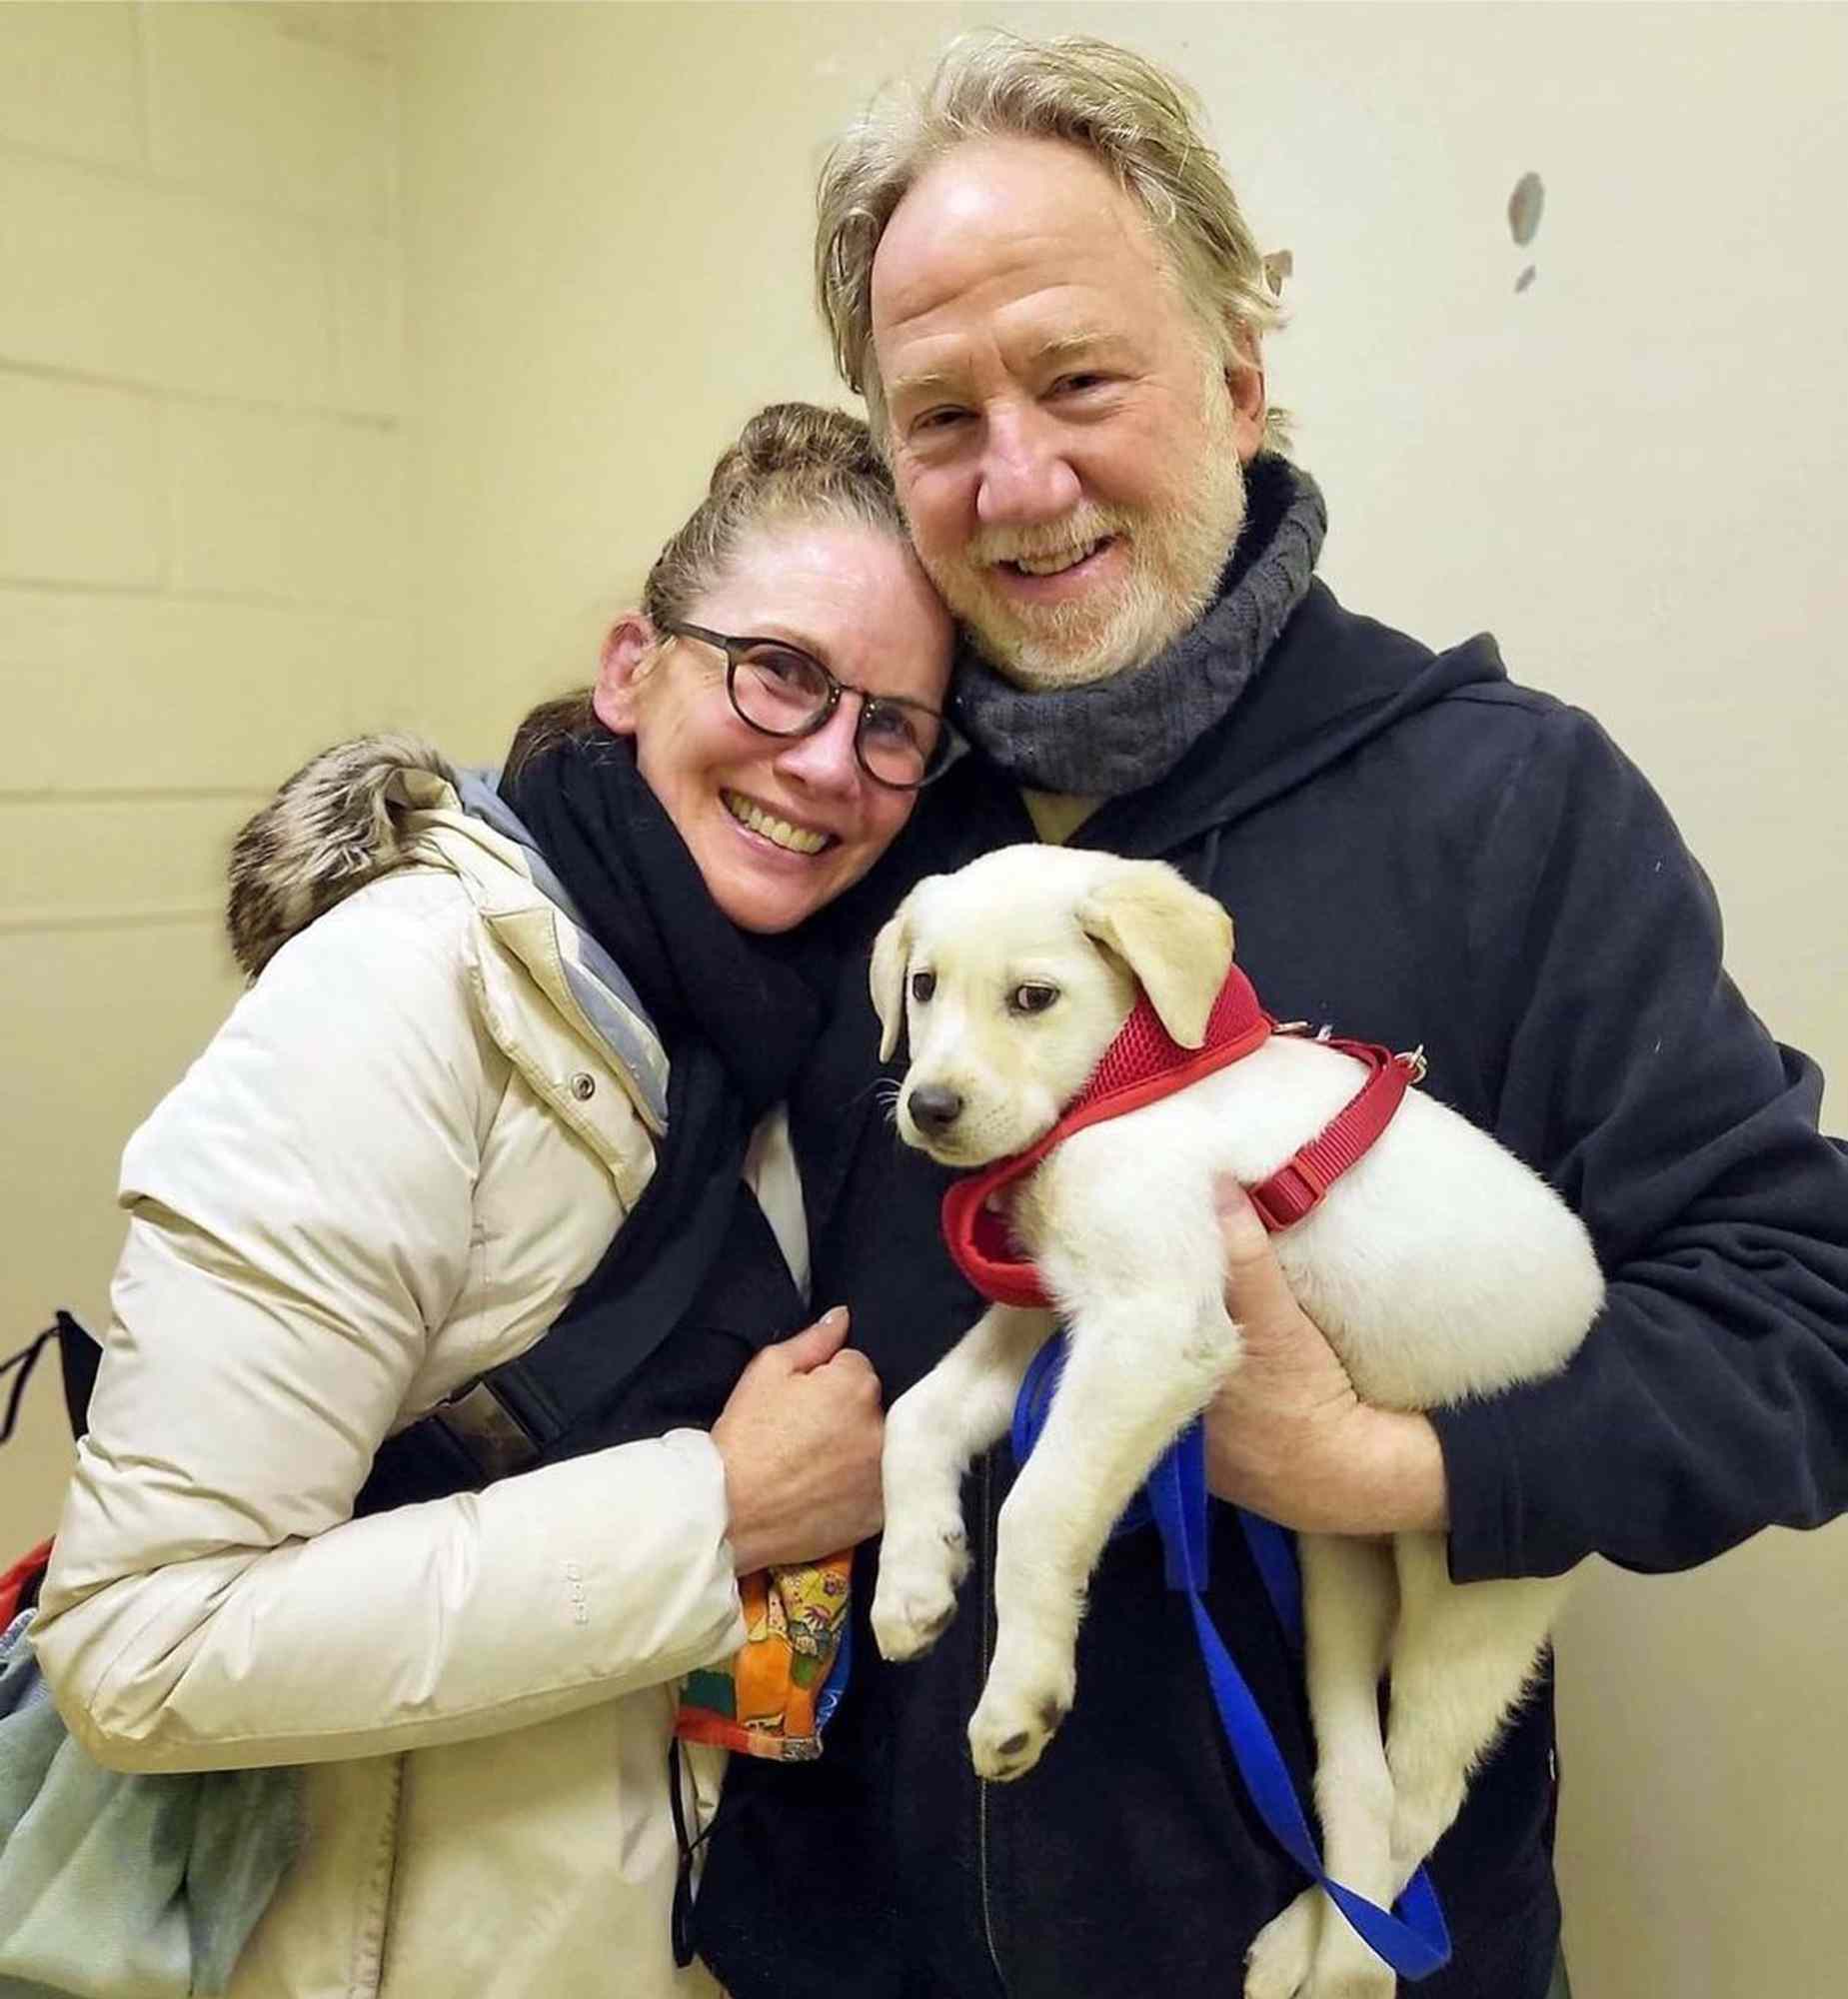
[[782, 690]]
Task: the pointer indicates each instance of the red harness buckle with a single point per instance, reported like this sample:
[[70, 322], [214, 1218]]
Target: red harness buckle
[[1292, 1191]]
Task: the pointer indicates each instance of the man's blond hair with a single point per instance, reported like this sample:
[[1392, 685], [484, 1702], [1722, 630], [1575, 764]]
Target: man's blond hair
[[1141, 124]]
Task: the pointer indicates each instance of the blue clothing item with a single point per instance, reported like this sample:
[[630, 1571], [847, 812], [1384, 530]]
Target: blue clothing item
[[112, 1882]]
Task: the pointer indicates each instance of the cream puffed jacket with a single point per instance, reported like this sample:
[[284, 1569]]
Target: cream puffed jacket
[[413, 1138]]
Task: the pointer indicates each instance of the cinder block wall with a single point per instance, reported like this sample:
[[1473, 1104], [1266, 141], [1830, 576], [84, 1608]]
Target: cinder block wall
[[201, 555]]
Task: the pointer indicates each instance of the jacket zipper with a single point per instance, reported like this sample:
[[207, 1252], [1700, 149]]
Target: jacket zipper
[[986, 1652]]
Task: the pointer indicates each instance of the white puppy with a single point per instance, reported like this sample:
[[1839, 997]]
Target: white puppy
[[1439, 1268]]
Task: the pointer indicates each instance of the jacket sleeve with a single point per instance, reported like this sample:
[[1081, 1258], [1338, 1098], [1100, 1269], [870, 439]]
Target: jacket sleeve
[[301, 1227], [1710, 1398]]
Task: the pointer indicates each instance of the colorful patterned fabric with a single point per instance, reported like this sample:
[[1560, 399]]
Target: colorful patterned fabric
[[775, 1695]]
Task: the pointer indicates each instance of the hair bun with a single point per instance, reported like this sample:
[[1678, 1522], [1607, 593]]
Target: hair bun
[[798, 438], [792, 465]]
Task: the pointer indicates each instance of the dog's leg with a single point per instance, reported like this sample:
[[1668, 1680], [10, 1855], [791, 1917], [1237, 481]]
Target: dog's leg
[[931, 1432], [1129, 1386], [1349, 1594], [1461, 1658]]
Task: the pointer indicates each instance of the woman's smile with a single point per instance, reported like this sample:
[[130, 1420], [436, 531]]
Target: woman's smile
[[779, 824], [780, 832]]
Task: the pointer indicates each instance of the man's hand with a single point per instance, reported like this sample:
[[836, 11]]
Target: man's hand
[[801, 1439], [1287, 1436]]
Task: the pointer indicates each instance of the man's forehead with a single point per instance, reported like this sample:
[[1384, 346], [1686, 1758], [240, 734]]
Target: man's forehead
[[994, 214]]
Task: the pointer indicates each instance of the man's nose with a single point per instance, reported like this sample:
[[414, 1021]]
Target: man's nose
[[1025, 477], [826, 762]]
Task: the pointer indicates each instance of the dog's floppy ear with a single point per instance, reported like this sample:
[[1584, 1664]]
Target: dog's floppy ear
[[892, 951], [1177, 941]]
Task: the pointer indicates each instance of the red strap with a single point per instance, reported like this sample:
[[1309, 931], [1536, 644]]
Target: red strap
[[14, 1582], [1297, 1186], [978, 1235], [1142, 1063]]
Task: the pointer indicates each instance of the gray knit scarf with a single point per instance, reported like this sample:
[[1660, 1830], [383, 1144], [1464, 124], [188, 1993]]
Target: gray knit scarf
[[1120, 733]]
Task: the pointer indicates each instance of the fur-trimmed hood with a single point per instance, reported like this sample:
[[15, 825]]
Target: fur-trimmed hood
[[332, 828], [363, 809]]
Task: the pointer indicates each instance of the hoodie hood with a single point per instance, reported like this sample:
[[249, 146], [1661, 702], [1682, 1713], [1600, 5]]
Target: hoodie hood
[[1331, 684], [335, 824]]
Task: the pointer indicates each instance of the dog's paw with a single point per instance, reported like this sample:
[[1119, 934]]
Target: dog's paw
[[915, 1596], [1344, 1967], [1374, 1981], [1277, 1964], [1018, 1714]]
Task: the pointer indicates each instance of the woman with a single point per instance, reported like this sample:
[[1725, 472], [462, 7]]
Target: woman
[[418, 1139]]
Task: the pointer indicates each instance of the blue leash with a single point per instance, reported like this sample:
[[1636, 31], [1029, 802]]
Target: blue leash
[[834, 1685], [1413, 1941]]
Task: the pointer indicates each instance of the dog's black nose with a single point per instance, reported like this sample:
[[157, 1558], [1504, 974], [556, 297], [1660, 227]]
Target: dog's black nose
[[934, 1107]]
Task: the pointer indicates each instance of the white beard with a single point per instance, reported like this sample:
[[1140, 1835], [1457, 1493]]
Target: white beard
[[1178, 553]]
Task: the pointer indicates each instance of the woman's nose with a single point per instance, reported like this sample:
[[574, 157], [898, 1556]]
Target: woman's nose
[[827, 760]]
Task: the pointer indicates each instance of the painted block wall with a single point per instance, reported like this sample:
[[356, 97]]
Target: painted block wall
[[593, 223], [202, 537]]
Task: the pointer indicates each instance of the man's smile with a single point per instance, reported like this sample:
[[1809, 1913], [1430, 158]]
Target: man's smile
[[1056, 562]]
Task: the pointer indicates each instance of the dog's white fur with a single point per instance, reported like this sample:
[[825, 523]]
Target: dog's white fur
[[1439, 1268]]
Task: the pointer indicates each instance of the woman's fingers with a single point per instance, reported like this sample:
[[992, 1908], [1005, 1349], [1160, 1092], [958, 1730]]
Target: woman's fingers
[[801, 1438], [814, 1346]]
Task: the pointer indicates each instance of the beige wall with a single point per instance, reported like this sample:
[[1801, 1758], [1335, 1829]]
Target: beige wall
[[1631, 471], [201, 555]]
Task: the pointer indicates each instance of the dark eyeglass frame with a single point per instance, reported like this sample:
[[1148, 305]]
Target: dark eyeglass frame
[[950, 742]]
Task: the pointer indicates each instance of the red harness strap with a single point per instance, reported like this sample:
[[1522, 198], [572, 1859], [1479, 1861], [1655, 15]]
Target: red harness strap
[[1297, 1185], [1142, 1063]]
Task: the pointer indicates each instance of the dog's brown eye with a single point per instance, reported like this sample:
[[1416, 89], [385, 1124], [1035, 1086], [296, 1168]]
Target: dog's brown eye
[[1032, 999], [924, 984]]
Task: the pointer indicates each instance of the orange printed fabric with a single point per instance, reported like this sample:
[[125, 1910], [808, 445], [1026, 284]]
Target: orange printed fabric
[[767, 1700]]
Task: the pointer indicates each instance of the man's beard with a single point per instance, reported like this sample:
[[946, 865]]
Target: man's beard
[[1178, 553]]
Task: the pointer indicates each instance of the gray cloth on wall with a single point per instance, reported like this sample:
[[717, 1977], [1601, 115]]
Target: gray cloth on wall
[[125, 1886]]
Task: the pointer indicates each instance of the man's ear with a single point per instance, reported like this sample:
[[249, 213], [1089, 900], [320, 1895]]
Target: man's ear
[[892, 951], [1177, 941], [1244, 387], [630, 643]]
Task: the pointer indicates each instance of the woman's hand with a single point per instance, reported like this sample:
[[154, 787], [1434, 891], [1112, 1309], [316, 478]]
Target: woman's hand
[[1286, 1436], [801, 1439]]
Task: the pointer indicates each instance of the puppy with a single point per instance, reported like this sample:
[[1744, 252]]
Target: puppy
[[1439, 1268]]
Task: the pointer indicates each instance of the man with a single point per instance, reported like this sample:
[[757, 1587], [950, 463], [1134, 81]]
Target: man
[[1042, 285]]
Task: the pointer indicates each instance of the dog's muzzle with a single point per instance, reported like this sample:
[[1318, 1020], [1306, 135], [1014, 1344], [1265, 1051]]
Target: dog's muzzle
[[934, 1107]]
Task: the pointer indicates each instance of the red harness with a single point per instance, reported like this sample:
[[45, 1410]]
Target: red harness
[[1141, 1064]]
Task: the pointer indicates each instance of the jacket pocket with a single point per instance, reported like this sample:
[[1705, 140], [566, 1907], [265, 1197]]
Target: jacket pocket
[[326, 1934]]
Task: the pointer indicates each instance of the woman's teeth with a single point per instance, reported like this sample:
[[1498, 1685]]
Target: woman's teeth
[[798, 839]]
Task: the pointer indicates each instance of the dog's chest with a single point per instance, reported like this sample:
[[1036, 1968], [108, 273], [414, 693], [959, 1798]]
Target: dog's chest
[[1028, 1207]]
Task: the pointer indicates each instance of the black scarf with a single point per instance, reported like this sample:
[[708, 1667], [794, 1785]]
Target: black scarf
[[736, 1014], [751, 1003], [692, 1282]]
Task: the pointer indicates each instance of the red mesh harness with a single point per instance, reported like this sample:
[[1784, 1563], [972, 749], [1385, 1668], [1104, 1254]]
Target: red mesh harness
[[1145, 1063]]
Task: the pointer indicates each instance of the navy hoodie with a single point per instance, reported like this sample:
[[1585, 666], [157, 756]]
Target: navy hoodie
[[1415, 850]]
